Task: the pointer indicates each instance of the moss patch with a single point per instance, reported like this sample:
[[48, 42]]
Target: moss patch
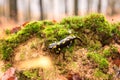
[[100, 60], [94, 31]]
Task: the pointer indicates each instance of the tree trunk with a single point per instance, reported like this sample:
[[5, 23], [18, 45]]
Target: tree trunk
[[66, 7], [99, 6], [41, 10], [29, 10], [88, 7], [2, 8], [89, 4], [111, 7], [13, 9], [76, 7]]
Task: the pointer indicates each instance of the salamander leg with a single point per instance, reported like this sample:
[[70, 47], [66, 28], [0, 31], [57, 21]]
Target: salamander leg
[[64, 56]]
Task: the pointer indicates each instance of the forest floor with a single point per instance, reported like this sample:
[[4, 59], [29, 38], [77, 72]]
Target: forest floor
[[27, 58]]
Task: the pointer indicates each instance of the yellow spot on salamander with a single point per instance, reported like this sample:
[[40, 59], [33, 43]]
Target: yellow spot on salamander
[[59, 49], [58, 43], [54, 47], [63, 42]]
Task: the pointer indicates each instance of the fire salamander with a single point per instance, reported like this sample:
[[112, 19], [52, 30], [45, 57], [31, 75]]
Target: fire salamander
[[66, 42]]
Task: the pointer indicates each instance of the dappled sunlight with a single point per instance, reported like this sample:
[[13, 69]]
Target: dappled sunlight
[[40, 62]]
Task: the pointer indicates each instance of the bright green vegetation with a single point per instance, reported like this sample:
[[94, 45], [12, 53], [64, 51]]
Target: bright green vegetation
[[95, 25], [106, 53], [115, 29], [110, 52], [7, 31], [55, 33], [100, 75], [29, 75], [94, 31], [32, 29], [100, 60]]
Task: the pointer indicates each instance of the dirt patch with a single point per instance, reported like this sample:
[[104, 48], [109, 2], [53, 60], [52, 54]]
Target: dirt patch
[[30, 49], [40, 62]]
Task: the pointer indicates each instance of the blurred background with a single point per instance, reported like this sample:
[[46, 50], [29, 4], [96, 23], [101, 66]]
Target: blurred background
[[15, 12]]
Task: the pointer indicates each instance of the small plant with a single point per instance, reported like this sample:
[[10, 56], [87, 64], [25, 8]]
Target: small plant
[[94, 45], [29, 74], [56, 32], [7, 31], [100, 75], [30, 30], [115, 28], [106, 52], [32, 74], [33, 46], [7, 66], [113, 49], [99, 59]]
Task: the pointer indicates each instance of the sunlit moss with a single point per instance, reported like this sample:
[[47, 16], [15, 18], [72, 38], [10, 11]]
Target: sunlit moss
[[94, 30], [29, 75], [99, 59], [106, 52], [31, 29], [100, 75]]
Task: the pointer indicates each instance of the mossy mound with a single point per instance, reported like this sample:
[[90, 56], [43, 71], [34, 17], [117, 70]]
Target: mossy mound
[[94, 31], [32, 29]]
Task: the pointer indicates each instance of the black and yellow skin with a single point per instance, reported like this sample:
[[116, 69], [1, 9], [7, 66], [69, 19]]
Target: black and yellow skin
[[66, 42]]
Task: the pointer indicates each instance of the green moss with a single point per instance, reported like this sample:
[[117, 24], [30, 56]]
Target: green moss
[[94, 31], [100, 60], [94, 23], [30, 30], [113, 49], [73, 22], [100, 75], [55, 33], [98, 24], [115, 28], [29, 75], [94, 45], [7, 31], [106, 52]]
